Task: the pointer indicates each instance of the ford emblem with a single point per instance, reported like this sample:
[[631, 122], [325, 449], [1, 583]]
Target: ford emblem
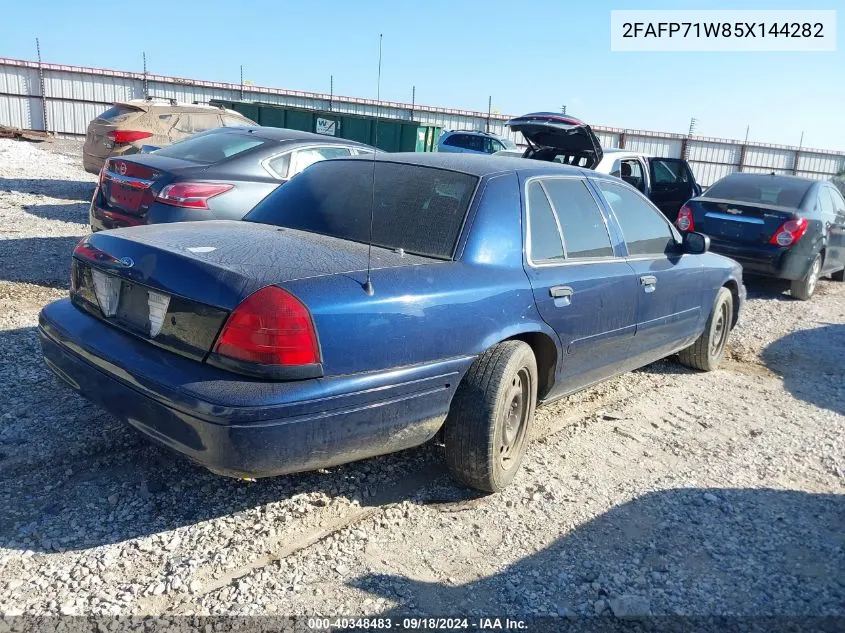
[[126, 262]]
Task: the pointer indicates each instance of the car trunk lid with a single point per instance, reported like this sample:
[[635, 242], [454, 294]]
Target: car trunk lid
[[558, 137], [129, 186], [741, 222], [200, 271], [97, 140]]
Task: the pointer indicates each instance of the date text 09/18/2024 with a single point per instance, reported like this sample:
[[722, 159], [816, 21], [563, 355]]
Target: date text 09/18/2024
[[418, 624]]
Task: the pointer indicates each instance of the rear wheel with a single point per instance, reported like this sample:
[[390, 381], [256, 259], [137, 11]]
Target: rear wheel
[[486, 431], [803, 289], [707, 351]]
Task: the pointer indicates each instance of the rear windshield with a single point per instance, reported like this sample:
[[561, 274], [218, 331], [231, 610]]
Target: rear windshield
[[117, 112], [784, 192], [210, 148], [418, 209]]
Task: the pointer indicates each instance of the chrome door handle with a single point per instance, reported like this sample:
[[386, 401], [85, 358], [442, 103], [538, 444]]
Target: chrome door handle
[[562, 295], [648, 282]]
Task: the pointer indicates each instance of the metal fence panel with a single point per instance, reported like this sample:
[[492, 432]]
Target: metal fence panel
[[76, 95], [708, 173], [19, 112], [773, 159], [713, 152], [668, 147]]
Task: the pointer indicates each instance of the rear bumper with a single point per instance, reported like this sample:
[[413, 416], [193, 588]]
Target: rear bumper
[[766, 260], [102, 219], [242, 427]]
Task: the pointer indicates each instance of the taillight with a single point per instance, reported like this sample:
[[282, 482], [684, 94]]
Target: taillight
[[128, 136], [193, 195], [685, 221], [790, 232], [270, 327]]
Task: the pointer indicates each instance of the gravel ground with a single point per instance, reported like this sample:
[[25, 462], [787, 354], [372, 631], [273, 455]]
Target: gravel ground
[[664, 491]]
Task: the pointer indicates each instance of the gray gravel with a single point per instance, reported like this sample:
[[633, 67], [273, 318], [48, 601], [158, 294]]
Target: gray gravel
[[664, 491]]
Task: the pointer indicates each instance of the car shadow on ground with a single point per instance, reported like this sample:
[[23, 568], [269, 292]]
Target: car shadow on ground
[[74, 477], [697, 551], [766, 288], [812, 365], [62, 189], [37, 260], [76, 212]]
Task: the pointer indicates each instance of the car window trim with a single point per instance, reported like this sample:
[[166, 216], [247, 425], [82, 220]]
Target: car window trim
[[560, 228], [265, 162], [672, 230], [566, 261]]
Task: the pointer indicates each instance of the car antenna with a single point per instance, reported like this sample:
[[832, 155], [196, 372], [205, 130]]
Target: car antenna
[[368, 284]]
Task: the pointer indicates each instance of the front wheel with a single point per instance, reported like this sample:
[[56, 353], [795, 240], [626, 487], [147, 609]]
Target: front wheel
[[707, 351], [486, 431], [803, 289]]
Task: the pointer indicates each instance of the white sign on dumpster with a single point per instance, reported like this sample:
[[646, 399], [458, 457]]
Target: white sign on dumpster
[[325, 126]]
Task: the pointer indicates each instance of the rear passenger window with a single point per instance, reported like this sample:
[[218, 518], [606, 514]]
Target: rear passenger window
[[826, 204], [645, 230], [584, 231], [543, 234]]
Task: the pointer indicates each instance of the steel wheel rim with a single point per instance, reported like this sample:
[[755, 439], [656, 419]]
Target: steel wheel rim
[[515, 419], [720, 330], [814, 276]]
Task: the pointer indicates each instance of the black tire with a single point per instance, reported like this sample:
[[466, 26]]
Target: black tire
[[486, 431], [839, 275], [707, 351], [803, 289]]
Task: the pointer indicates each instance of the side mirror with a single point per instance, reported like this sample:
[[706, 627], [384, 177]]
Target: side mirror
[[696, 243]]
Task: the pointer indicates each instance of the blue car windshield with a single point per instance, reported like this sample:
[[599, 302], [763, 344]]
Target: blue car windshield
[[418, 209]]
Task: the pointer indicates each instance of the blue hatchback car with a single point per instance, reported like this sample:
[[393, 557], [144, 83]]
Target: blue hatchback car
[[279, 344]]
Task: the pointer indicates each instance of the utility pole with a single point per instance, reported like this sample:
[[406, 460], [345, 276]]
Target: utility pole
[[413, 100], [747, 129], [692, 123], [797, 153], [489, 111], [146, 82], [242, 82], [331, 91], [41, 82], [563, 109]]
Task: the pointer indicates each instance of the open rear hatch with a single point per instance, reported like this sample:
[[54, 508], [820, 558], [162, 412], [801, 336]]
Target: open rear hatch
[[559, 138]]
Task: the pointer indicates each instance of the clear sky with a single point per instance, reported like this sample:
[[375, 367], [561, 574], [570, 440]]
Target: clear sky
[[527, 55]]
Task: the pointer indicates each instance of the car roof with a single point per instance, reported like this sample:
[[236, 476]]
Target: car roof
[[478, 164], [619, 150], [281, 134], [164, 104], [479, 132]]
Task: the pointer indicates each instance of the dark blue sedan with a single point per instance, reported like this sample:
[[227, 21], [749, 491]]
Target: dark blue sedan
[[266, 347]]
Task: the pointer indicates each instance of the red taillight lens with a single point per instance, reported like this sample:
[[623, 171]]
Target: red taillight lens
[[128, 136], [270, 327], [193, 195], [790, 232], [685, 221]]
